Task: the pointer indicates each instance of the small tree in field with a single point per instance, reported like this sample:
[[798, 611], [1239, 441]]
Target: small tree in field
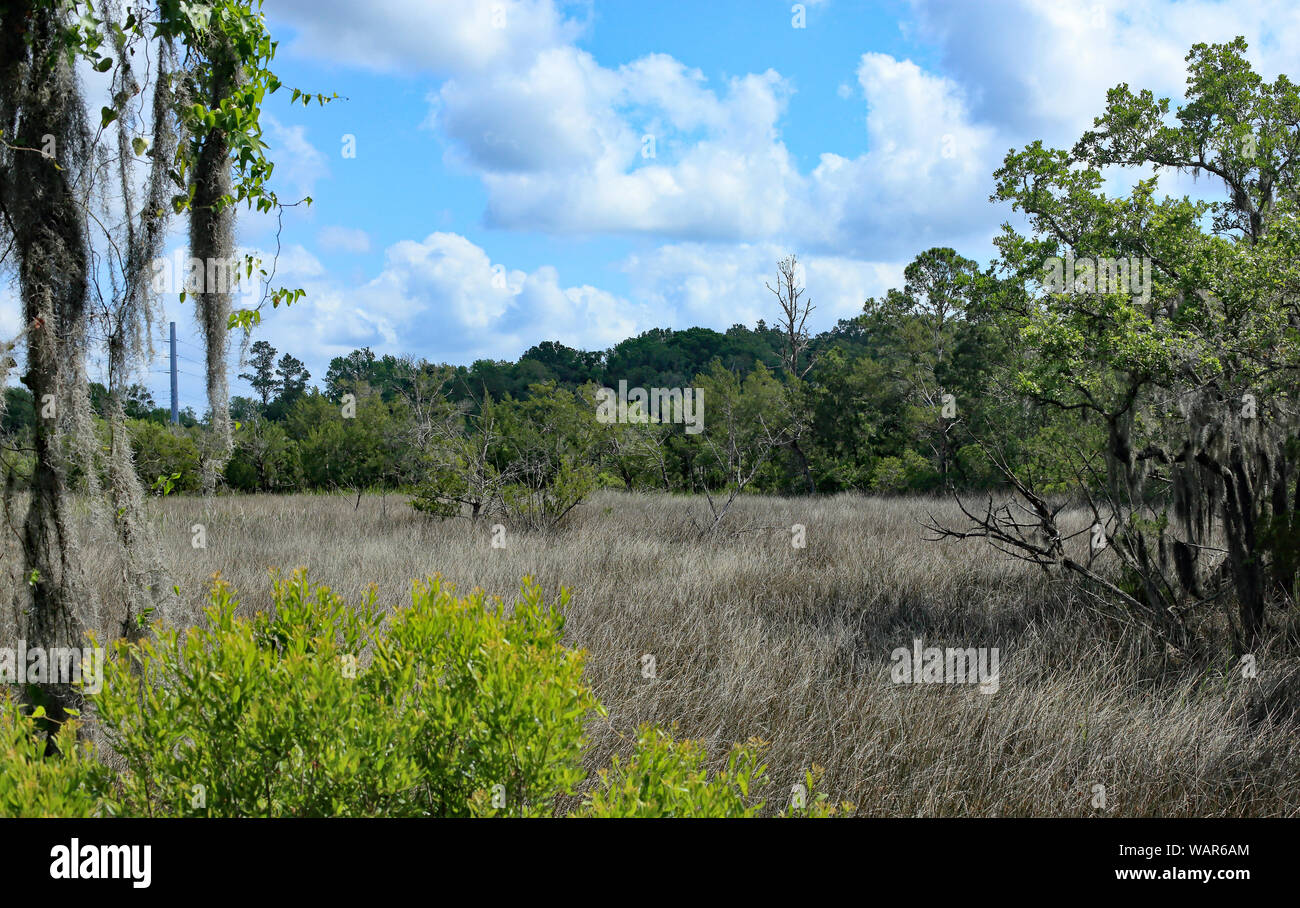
[[745, 423], [530, 462]]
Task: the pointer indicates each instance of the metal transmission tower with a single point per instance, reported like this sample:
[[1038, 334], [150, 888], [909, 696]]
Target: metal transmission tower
[[175, 412]]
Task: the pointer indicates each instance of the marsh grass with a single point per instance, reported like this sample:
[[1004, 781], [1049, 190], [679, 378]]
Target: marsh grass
[[753, 637]]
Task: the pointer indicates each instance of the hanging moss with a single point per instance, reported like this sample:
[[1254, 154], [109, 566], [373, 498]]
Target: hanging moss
[[45, 207]]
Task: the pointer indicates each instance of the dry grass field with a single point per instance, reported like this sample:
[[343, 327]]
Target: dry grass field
[[754, 637]]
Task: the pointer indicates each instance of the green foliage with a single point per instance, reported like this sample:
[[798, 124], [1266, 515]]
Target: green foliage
[[162, 450], [338, 451], [747, 421], [529, 462], [667, 778], [317, 709], [452, 706], [491, 696], [909, 473], [70, 782], [1176, 374], [255, 718], [889, 475], [17, 413], [265, 458]]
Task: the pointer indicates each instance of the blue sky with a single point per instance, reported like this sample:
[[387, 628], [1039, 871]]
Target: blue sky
[[503, 192]]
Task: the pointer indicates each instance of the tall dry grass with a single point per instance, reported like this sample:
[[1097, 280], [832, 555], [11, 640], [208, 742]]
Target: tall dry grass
[[754, 637]]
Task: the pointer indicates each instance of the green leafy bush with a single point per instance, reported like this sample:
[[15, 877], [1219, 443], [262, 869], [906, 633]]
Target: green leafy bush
[[163, 451], [451, 706], [528, 462], [889, 475], [909, 473], [265, 458], [72, 783], [668, 778], [314, 710], [495, 703]]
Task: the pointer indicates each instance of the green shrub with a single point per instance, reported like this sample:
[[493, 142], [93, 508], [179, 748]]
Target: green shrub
[[495, 702], [264, 459], [452, 706], [279, 715], [909, 473], [164, 451], [72, 784], [889, 475], [667, 778]]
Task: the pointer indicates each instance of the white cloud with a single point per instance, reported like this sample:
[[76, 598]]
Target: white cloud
[[925, 178], [447, 35], [715, 167], [299, 165], [718, 286], [343, 239], [443, 298], [1042, 68], [553, 116]]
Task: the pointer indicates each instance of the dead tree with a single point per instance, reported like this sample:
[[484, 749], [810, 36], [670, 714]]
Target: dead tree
[[792, 323]]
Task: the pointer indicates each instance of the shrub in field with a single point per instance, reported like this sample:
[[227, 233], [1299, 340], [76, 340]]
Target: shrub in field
[[495, 703], [258, 717], [277, 716], [668, 778], [528, 462], [32, 784], [451, 706]]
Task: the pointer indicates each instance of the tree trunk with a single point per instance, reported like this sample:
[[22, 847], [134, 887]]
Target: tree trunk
[[803, 466], [212, 241], [48, 223]]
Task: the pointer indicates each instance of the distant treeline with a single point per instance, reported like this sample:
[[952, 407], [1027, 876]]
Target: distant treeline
[[897, 399]]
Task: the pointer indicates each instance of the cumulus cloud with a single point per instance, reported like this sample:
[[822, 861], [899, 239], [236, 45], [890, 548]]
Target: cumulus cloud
[[445, 299], [403, 35], [703, 284], [1041, 68], [343, 239], [651, 149], [925, 178]]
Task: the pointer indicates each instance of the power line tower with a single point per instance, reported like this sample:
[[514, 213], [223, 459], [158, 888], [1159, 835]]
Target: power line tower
[[175, 412]]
